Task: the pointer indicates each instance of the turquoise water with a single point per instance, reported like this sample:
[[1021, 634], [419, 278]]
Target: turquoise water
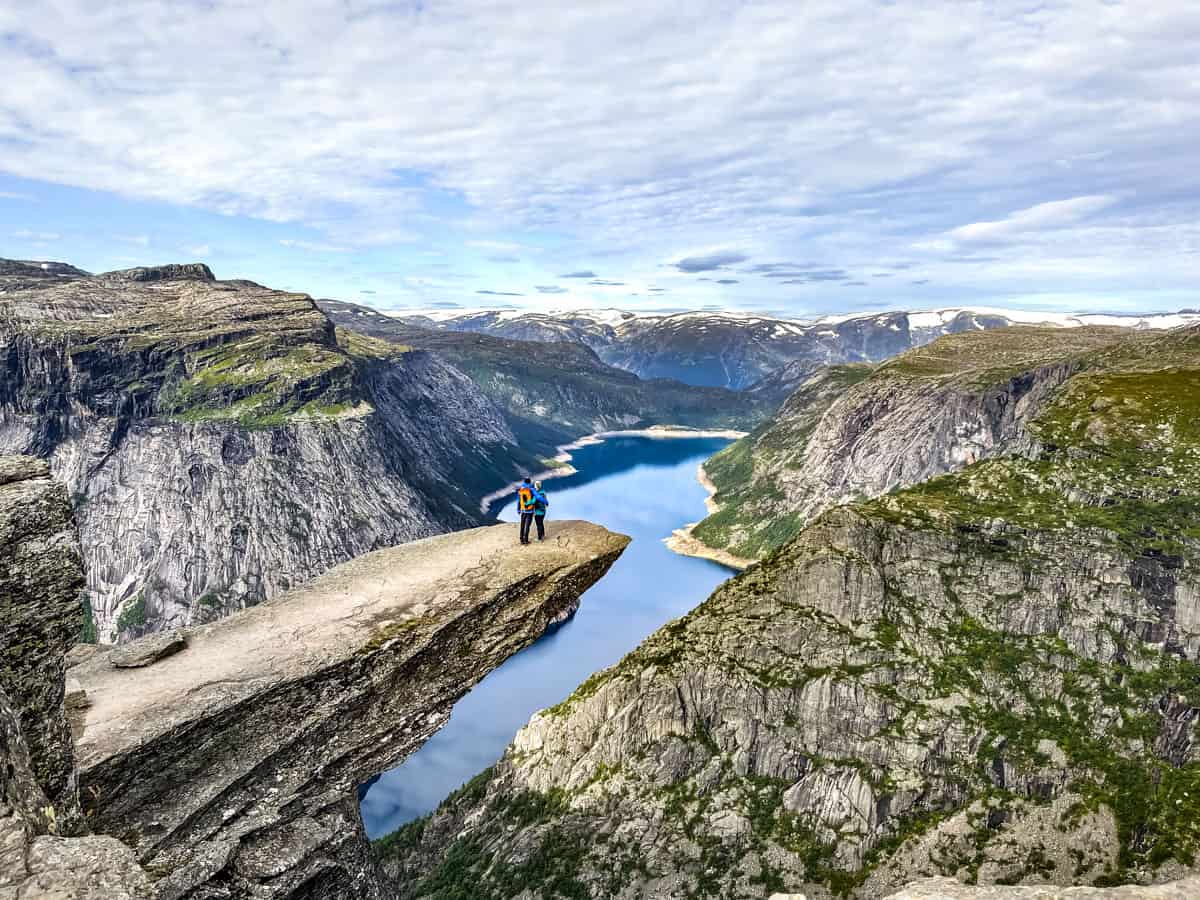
[[643, 487]]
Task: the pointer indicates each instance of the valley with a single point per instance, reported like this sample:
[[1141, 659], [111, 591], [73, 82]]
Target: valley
[[987, 674], [965, 642]]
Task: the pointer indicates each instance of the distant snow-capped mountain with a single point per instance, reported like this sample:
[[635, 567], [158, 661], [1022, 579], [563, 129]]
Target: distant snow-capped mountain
[[737, 349]]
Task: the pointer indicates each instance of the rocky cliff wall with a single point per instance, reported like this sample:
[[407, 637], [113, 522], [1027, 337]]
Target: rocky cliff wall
[[45, 853], [851, 432], [221, 444]]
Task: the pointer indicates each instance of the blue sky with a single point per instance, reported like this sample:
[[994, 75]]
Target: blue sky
[[798, 158]]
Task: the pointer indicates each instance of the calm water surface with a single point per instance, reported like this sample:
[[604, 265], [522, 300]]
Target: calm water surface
[[643, 487]]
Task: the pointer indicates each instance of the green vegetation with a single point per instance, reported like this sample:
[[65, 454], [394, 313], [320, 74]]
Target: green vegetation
[[87, 626], [248, 383], [133, 614]]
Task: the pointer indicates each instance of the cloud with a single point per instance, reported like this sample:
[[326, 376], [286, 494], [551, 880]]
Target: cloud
[[953, 136], [550, 289], [1053, 214], [500, 293], [585, 273], [854, 283], [504, 259], [727, 281], [364, 291], [198, 250], [311, 246], [600, 282], [40, 236], [16, 195], [709, 262], [142, 240]]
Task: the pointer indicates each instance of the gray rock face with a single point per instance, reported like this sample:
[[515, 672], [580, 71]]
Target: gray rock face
[[231, 767], [40, 612], [42, 855], [220, 445], [148, 650]]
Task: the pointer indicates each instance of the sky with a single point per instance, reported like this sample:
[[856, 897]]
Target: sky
[[783, 156]]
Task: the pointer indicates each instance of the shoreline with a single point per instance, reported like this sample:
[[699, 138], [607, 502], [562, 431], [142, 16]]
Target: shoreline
[[563, 452], [683, 542]]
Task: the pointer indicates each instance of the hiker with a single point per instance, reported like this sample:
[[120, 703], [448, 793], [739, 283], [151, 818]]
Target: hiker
[[539, 509], [526, 507]]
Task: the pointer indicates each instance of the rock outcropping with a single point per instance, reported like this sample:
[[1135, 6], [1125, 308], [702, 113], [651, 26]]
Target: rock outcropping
[[222, 443], [992, 675], [231, 767]]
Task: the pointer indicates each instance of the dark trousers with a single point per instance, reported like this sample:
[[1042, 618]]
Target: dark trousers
[[541, 524], [526, 521]]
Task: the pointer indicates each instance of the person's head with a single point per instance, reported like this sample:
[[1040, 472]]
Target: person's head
[[525, 480], [538, 485]]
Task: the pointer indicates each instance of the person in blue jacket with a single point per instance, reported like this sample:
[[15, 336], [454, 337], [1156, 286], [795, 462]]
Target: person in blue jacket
[[539, 509], [526, 507]]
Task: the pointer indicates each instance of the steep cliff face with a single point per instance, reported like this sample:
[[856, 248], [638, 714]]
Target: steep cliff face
[[221, 443], [993, 675], [852, 432], [552, 393], [44, 854], [231, 767]]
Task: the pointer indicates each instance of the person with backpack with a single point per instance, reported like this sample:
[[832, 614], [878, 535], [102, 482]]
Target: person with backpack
[[526, 506], [540, 503]]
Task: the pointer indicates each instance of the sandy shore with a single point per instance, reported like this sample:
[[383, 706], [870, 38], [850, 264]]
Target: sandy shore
[[563, 455], [683, 542]]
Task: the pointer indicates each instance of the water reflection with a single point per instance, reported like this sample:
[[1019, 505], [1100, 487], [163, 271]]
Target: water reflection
[[643, 487]]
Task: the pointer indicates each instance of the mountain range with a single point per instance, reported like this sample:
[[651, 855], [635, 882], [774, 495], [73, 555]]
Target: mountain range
[[735, 350]]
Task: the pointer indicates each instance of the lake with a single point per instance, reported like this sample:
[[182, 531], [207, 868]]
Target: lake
[[643, 487]]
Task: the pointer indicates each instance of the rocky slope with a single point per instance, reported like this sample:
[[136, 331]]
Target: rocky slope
[[221, 442], [555, 392], [851, 432], [992, 675]]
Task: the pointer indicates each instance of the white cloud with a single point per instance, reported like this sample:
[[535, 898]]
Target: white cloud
[[198, 250], [848, 131], [14, 195], [1053, 214], [39, 236]]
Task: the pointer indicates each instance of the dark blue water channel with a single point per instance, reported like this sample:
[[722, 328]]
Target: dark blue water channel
[[643, 487]]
